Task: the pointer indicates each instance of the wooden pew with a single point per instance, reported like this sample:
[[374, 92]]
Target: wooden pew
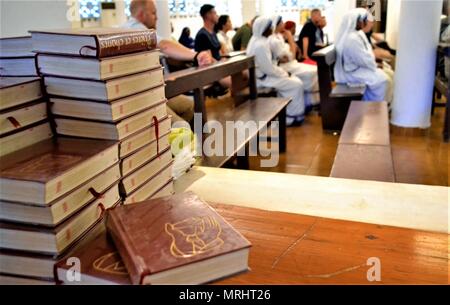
[[264, 110], [334, 102], [364, 151], [441, 88], [246, 107]]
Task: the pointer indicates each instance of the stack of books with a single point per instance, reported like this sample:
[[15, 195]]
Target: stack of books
[[52, 193], [108, 84], [16, 57], [171, 240], [23, 114]]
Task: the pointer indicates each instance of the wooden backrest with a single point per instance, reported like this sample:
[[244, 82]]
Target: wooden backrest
[[364, 150], [367, 123], [325, 59]]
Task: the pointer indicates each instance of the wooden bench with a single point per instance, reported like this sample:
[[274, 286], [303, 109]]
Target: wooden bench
[[364, 151], [334, 102], [441, 88], [246, 107], [261, 110]]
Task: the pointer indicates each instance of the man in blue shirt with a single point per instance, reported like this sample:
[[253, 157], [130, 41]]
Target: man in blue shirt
[[206, 38]]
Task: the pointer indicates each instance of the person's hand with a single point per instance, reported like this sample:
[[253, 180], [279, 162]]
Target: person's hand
[[288, 35], [382, 53], [204, 58]]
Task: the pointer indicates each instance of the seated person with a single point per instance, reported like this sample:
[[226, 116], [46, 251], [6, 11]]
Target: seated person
[[291, 26], [311, 35], [206, 39], [242, 37], [355, 59], [186, 39], [222, 27], [284, 53], [270, 75], [143, 16]]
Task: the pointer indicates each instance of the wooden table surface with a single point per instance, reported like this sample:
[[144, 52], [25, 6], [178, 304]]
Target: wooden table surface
[[296, 249]]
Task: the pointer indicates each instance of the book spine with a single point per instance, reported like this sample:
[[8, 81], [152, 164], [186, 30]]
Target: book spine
[[118, 44], [135, 267]]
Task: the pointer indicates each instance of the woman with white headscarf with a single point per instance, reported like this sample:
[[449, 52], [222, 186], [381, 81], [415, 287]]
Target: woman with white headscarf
[[283, 54], [271, 76], [355, 61]]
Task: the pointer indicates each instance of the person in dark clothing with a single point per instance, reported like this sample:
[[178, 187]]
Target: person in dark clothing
[[311, 37], [186, 39], [206, 38]]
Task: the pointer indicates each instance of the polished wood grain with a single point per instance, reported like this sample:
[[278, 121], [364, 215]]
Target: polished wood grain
[[297, 249]]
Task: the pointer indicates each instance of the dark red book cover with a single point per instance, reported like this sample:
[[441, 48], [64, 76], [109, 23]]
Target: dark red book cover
[[167, 233]]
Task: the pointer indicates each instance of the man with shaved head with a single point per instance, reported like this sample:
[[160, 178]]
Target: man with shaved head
[[144, 16]]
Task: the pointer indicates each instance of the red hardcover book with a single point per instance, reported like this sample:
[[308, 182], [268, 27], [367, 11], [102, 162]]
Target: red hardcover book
[[176, 240], [93, 42]]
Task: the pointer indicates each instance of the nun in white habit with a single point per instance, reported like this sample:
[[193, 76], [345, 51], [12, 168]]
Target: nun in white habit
[[355, 61], [283, 55], [269, 75]]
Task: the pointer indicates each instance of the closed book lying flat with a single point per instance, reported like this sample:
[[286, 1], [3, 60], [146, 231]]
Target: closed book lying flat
[[176, 240], [22, 116], [110, 131], [30, 136], [97, 69], [145, 154], [48, 170], [146, 172], [108, 90], [64, 207], [94, 42], [105, 111], [16, 280], [100, 262], [23, 66], [54, 241], [16, 47], [138, 140], [16, 91], [149, 188]]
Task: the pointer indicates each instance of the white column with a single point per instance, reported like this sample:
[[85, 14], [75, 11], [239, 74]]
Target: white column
[[392, 22], [121, 17], [267, 7], [341, 7], [418, 37], [163, 25], [248, 9]]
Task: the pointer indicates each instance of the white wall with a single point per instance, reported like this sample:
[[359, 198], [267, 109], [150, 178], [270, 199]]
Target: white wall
[[18, 17]]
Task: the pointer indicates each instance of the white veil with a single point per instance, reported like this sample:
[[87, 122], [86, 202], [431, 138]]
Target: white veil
[[348, 26], [259, 27]]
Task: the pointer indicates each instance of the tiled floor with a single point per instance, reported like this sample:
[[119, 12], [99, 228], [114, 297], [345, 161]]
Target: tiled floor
[[417, 159]]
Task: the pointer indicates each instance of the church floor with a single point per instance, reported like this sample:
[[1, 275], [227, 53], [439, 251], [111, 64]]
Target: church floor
[[417, 159]]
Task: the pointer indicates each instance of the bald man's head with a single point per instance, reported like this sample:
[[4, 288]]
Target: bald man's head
[[145, 12]]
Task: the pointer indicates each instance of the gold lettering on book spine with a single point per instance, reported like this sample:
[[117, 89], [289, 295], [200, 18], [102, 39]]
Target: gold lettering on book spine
[[133, 42], [194, 236]]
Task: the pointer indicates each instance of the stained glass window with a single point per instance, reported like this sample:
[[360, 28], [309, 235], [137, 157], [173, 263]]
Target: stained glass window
[[191, 8], [127, 8], [89, 9]]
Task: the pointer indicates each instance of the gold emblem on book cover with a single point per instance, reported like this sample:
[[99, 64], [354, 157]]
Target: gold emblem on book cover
[[111, 264], [194, 236]]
